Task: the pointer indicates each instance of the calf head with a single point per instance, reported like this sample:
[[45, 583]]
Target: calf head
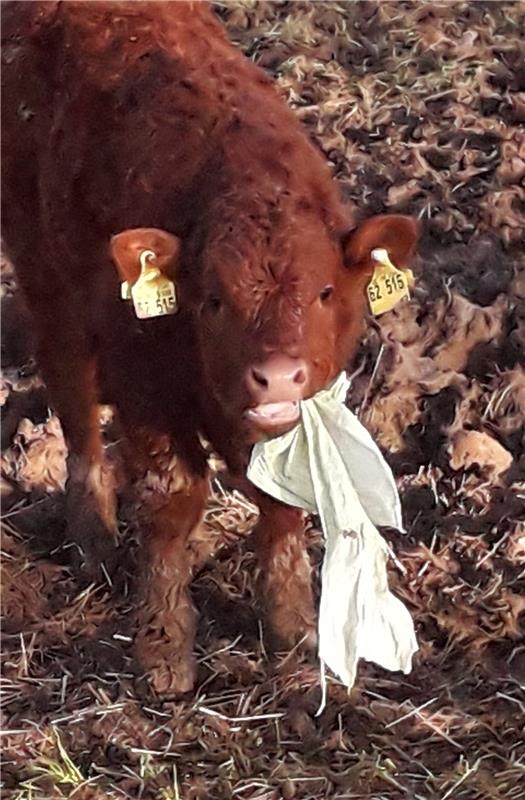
[[277, 309]]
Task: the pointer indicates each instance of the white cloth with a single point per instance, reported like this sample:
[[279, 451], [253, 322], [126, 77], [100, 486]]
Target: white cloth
[[329, 465]]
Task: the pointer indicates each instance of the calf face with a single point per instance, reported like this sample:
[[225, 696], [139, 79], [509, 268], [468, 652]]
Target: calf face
[[278, 308]]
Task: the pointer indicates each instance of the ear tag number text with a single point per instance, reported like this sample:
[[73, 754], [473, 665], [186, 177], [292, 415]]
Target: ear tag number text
[[389, 284]]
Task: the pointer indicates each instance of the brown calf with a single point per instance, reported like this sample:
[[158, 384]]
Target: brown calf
[[131, 127]]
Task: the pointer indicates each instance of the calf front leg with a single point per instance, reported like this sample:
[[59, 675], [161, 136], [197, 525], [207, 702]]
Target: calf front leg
[[170, 499], [70, 374], [286, 575]]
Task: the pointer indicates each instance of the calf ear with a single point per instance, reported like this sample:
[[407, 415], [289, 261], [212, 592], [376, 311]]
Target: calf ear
[[127, 247], [396, 234]]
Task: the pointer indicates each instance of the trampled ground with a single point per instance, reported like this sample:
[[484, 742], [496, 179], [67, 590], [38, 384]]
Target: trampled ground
[[420, 108]]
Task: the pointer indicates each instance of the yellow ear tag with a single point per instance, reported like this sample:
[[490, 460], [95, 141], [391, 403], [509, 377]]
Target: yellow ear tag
[[389, 284], [153, 294]]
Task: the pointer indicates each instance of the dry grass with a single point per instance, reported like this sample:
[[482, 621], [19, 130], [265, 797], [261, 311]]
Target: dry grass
[[420, 108]]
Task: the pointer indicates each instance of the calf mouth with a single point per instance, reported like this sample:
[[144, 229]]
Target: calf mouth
[[274, 418]]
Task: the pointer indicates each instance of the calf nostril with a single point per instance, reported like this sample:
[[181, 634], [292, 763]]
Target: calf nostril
[[260, 378], [300, 377]]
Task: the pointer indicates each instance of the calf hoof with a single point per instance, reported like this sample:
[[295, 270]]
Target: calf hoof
[[164, 648], [166, 680], [288, 629], [92, 526], [168, 673], [291, 620], [97, 545]]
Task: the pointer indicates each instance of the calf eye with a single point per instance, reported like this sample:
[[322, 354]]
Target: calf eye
[[213, 303], [326, 294]]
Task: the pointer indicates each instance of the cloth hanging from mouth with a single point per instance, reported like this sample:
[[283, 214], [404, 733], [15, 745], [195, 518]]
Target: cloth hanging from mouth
[[329, 465]]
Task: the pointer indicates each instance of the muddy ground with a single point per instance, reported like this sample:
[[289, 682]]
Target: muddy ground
[[420, 108]]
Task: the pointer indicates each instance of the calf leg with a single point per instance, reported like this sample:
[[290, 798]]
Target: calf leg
[[170, 500], [286, 574], [69, 371]]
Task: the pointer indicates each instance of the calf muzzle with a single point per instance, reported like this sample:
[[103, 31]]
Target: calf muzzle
[[275, 387]]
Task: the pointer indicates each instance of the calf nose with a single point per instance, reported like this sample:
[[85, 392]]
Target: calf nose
[[278, 379]]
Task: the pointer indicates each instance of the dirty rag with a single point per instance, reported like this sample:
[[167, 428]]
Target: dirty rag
[[329, 465]]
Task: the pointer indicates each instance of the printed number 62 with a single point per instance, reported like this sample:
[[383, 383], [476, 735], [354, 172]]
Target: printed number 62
[[374, 292]]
